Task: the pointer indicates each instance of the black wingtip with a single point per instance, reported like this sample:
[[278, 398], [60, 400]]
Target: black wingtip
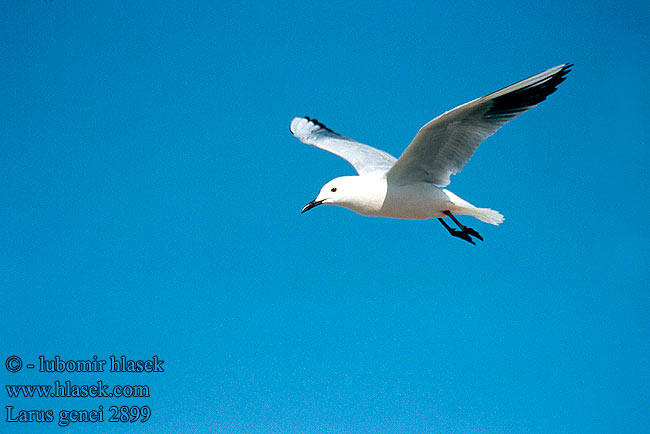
[[507, 106], [319, 124], [566, 68]]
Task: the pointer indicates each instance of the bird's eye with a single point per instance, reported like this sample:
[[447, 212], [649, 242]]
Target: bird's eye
[[333, 189]]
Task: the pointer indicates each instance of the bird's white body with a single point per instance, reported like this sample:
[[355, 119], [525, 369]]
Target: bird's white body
[[374, 195], [412, 187]]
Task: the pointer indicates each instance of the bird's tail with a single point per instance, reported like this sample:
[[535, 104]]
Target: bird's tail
[[486, 215], [462, 207]]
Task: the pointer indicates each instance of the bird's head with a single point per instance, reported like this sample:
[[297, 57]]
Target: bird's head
[[343, 191]]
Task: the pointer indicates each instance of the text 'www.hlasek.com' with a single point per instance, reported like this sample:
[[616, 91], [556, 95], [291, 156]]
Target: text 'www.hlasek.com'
[[110, 405]]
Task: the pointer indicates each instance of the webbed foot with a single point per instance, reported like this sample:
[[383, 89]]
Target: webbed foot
[[462, 235], [472, 232]]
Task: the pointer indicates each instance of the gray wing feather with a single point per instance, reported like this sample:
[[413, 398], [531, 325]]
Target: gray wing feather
[[444, 145], [365, 159]]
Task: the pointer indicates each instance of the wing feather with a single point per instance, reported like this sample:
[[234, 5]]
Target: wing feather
[[444, 145], [365, 159]]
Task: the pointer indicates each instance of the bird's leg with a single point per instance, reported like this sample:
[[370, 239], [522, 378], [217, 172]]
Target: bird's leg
[[456, 233], [465, 229]]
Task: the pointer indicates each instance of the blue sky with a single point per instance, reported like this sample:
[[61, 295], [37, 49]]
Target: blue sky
[[151, 196]]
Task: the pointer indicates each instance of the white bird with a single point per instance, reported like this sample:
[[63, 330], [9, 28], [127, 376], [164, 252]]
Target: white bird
[[411, 187]]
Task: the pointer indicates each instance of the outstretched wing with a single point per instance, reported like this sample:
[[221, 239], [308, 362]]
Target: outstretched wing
[[364, 158], [443, 146]]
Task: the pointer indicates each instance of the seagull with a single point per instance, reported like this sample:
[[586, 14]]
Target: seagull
[[412, 187]]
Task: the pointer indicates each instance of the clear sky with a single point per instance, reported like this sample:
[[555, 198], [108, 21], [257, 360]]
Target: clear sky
[[151, 195]]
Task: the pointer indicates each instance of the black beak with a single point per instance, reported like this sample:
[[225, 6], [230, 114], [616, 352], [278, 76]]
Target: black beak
[[311, 205]]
